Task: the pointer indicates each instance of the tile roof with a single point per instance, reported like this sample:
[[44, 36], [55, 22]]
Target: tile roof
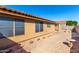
[[5, 9]]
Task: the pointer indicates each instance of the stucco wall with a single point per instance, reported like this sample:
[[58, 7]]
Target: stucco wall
[[29, 33]]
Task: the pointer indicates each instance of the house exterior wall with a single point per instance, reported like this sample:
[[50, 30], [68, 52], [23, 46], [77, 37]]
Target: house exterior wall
[[30, 30], [57, 27], [61, 25], [29, 33]]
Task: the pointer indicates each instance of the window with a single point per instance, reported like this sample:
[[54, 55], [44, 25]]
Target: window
[[9, 26], [48, 25], [39, 26], [19, 27], [6, 26]]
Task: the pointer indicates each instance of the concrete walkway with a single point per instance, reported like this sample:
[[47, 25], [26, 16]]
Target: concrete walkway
[[53, 43]]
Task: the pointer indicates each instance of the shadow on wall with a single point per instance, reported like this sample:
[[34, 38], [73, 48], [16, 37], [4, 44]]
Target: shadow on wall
[[9, 46], [75, 36]]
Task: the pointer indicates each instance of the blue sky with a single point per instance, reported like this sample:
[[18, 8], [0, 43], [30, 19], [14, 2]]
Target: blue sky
[[51, 12]]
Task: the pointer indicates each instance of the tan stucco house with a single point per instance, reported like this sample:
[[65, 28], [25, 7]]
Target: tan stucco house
[[17, 27]]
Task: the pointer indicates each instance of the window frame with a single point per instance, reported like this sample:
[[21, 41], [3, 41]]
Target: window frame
[[11, 26], [23, 27], [48, 25], [38, 26], [6, 28]]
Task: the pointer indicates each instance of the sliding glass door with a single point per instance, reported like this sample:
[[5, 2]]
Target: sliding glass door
[[10, 25], [6, 26]]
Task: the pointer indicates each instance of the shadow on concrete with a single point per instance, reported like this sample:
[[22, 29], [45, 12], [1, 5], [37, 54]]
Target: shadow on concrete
[[75, 36], [9, 46]]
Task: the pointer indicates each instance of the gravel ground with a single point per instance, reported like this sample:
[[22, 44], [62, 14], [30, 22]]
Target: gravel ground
[[54, 43]]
